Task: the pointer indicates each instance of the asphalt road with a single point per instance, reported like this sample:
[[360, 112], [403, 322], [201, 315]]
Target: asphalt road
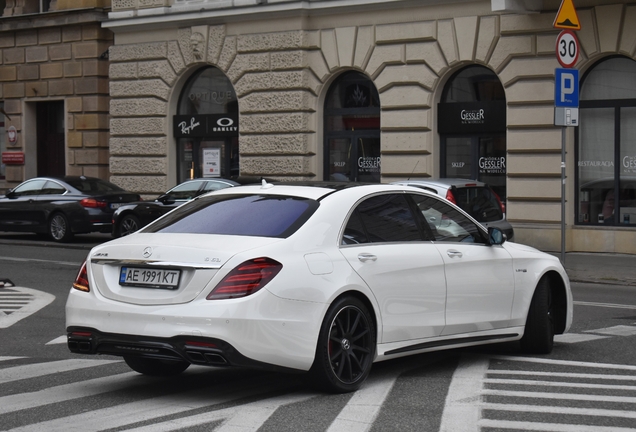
[[45, 387]]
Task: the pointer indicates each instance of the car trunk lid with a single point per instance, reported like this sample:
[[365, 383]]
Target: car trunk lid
[[162, 269]]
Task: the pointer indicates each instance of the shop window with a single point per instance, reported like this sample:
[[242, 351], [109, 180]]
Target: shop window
[[352, 130], [606, 145], [472, 128], [206, 127]]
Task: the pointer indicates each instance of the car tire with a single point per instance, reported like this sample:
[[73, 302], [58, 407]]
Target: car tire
[[156, 367], [60, 228], [538, 337], [128, 225], [346, 347]]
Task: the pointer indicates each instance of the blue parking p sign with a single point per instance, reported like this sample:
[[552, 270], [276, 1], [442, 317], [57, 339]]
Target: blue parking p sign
[[566, 88]]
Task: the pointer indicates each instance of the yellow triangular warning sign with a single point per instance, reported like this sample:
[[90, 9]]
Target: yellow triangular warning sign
[[567, 17]]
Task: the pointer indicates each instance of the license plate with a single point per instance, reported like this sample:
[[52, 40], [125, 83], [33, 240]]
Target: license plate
[[149, 277], [116, 205]]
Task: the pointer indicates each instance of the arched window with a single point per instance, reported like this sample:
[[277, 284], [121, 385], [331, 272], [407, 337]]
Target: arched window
[[352, 130], [206, 127], [472, 128], [606, 144]]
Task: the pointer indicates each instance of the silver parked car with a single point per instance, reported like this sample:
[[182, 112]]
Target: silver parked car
[[474, 197]]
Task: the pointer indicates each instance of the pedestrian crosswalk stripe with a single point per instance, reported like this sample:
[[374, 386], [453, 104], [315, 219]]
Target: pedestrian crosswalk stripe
[[148, 409], [246, 417], [364, 406], [566, 362], [562, 374], [65, 392], [563, 384], [549, 427], [36, 370], [549, 409]]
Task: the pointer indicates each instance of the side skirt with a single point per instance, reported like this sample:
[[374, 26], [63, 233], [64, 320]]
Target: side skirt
[[449, 342]]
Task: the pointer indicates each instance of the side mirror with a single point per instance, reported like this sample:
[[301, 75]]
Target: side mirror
[[496, 236], [166, 199], [10, 194]]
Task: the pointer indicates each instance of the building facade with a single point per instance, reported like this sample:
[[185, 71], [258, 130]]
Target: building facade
[[54, 89], [372, 90]]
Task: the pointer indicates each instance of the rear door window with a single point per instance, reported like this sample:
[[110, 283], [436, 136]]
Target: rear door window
[[246, 215], [382, 218], [447, 223]]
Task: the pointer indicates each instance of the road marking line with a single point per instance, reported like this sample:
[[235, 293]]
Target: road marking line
[[549, 427], [68, 263], [607, 305], [559, 410], [5, 358], [560, 396], [563, 374], [576, 338], [619, 330], [66, 392], [58, 340], [149, 409], [40, 369], [248, 417], [558, 384], [364, 406], [40, 300], [461, 410], [566, 362]]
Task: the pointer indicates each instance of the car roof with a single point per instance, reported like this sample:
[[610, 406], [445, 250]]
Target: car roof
[[444, 182], [312, 189]]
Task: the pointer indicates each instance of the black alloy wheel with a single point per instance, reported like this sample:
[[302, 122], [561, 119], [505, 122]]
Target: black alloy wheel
[[346, 347], [128, 225], [538, 337], [156, 367], [59, 228]]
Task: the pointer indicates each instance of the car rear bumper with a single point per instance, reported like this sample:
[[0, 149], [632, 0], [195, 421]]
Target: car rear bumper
[[264, 330], [195, 350]]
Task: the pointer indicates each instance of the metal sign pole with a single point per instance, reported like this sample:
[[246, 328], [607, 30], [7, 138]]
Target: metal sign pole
[[563, 129]]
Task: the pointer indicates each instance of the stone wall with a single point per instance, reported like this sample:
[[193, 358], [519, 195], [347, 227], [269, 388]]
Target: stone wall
[[60, 62], [281, 78]]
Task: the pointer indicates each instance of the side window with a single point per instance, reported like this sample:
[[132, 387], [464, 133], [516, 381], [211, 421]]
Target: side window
[[446, 223], [382, 218], [214, 185], [52, 188], [186, 191], [31, 188]]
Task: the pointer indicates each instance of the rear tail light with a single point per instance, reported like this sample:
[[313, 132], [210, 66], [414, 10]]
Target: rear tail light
[[81, 281], [451, 197], [246, 279], [501, 205], [93, 203]]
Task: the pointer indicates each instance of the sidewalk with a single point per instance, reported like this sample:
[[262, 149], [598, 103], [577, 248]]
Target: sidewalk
[[602, 268]]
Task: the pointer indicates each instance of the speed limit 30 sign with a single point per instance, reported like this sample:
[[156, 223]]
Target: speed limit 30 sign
[[567, 48]]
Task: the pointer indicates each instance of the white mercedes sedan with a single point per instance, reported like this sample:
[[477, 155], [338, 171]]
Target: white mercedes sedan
[[323, 278]]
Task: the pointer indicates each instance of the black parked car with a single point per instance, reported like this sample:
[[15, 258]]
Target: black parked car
[[62, 206], [129, 218]]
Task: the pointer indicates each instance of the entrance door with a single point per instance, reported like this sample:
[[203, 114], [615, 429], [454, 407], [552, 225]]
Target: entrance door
[[208, 158], [51, 156]]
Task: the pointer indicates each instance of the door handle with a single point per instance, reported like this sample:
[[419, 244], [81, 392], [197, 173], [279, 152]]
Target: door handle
[[364, 257], [454, 253]]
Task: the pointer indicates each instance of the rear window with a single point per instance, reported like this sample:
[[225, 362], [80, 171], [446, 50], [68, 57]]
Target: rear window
[[93, 185], [479, 202], [245, 215]]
